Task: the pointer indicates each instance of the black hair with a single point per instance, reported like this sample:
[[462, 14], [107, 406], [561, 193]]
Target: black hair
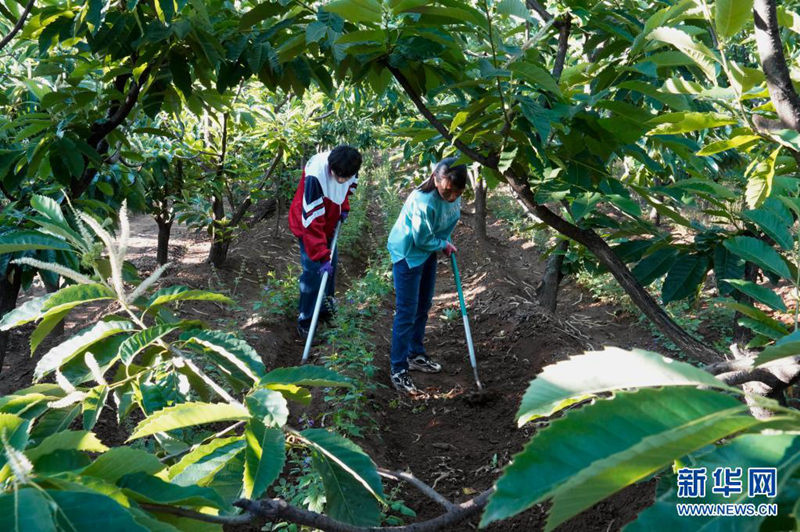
[[457, 175], [344, 160]]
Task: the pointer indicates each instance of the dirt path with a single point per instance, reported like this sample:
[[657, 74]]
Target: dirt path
[[450, 443]]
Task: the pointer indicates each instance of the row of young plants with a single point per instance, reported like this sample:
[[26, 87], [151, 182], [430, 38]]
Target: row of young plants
[[209, 423]]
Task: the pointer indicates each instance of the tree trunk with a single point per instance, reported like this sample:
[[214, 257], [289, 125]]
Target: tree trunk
[[548, 289], [9, 291], [480, 208], [164, 228], [220, 235]]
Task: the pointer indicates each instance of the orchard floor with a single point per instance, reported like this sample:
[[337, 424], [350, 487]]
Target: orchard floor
[[454, 444]]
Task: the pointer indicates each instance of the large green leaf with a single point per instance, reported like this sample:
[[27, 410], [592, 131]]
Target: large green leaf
[[26, 510], [188, 415], [64, 352], [234, 350], [776, 328], [79, 440], [730, 16], [26, 239], [684, 276], [83, 511], [685, 122], [182, 293], [264, 457], [45, 327], [536, 76], [772, 225], [306, 376], [13, 431], [562, 384], [700, 53], [762, 294], [73, 295], [356, 10], [759, 181], [655, 265], [203, 462], [121, 461], [760, 253], [353, 488], [148, 488], [593, 452], [25, 313], [136, 342], [781, 451], [268, 406], [728, 144], [787, 346]]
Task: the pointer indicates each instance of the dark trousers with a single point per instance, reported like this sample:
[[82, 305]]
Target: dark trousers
[[310, 280], [413, 288]]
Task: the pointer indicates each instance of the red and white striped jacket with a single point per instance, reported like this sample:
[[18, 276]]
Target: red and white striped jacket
[[314, 211]]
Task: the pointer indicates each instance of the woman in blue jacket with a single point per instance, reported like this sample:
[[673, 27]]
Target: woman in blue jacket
[[424, 226]]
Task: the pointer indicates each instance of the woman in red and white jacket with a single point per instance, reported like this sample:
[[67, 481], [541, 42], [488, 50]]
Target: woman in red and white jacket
[[320, 202]]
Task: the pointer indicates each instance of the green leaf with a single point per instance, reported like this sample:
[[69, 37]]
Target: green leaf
[[268, 406], [762, 294], [203, 462], [26, 239], [684, 276], [730, 16], [688, 121], [188, 415], [292, 392], [260, 12], [781, 451], [773, 326], [64, 352], [25, 313], [135, 343], [564, 383], [356, 10], [700, 53], [759, 253], [787, 346], [14, 431], [26, 510], [726, 266], [84, 511], [612, 443], [121, 461], [79, 440], [514, 8], [183, 293], [773, 226], [93, 404], [759, 182], [49, 208], [236, 351], [264, 457], [142, 487], [306, 376], [536, 76], [352, 486], [73, 295], [45, 327], [728, 144], [507, 159], [655, 265]]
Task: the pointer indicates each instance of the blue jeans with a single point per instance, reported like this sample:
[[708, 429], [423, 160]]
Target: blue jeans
[[310, 280], [413, 288]]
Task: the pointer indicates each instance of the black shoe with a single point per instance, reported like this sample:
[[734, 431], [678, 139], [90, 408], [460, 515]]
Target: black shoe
[[422, 362], [303, 331], [402, 381]]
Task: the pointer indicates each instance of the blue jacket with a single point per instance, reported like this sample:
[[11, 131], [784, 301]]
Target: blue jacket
[[423, 227]]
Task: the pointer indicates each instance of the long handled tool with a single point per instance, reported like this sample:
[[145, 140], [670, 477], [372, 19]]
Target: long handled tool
[[320, 297], [466, 321]]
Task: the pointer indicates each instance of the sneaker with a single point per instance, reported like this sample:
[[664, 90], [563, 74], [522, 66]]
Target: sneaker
[[422, 362], [402, 381], [303, 331]]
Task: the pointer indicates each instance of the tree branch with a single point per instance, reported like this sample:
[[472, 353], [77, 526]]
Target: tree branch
[[18, 25], [770, 49], [420, 485], [243, 208], [563, 39], [540, 10]]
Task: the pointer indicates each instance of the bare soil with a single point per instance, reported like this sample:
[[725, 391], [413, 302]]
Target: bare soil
[[442, 436]]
